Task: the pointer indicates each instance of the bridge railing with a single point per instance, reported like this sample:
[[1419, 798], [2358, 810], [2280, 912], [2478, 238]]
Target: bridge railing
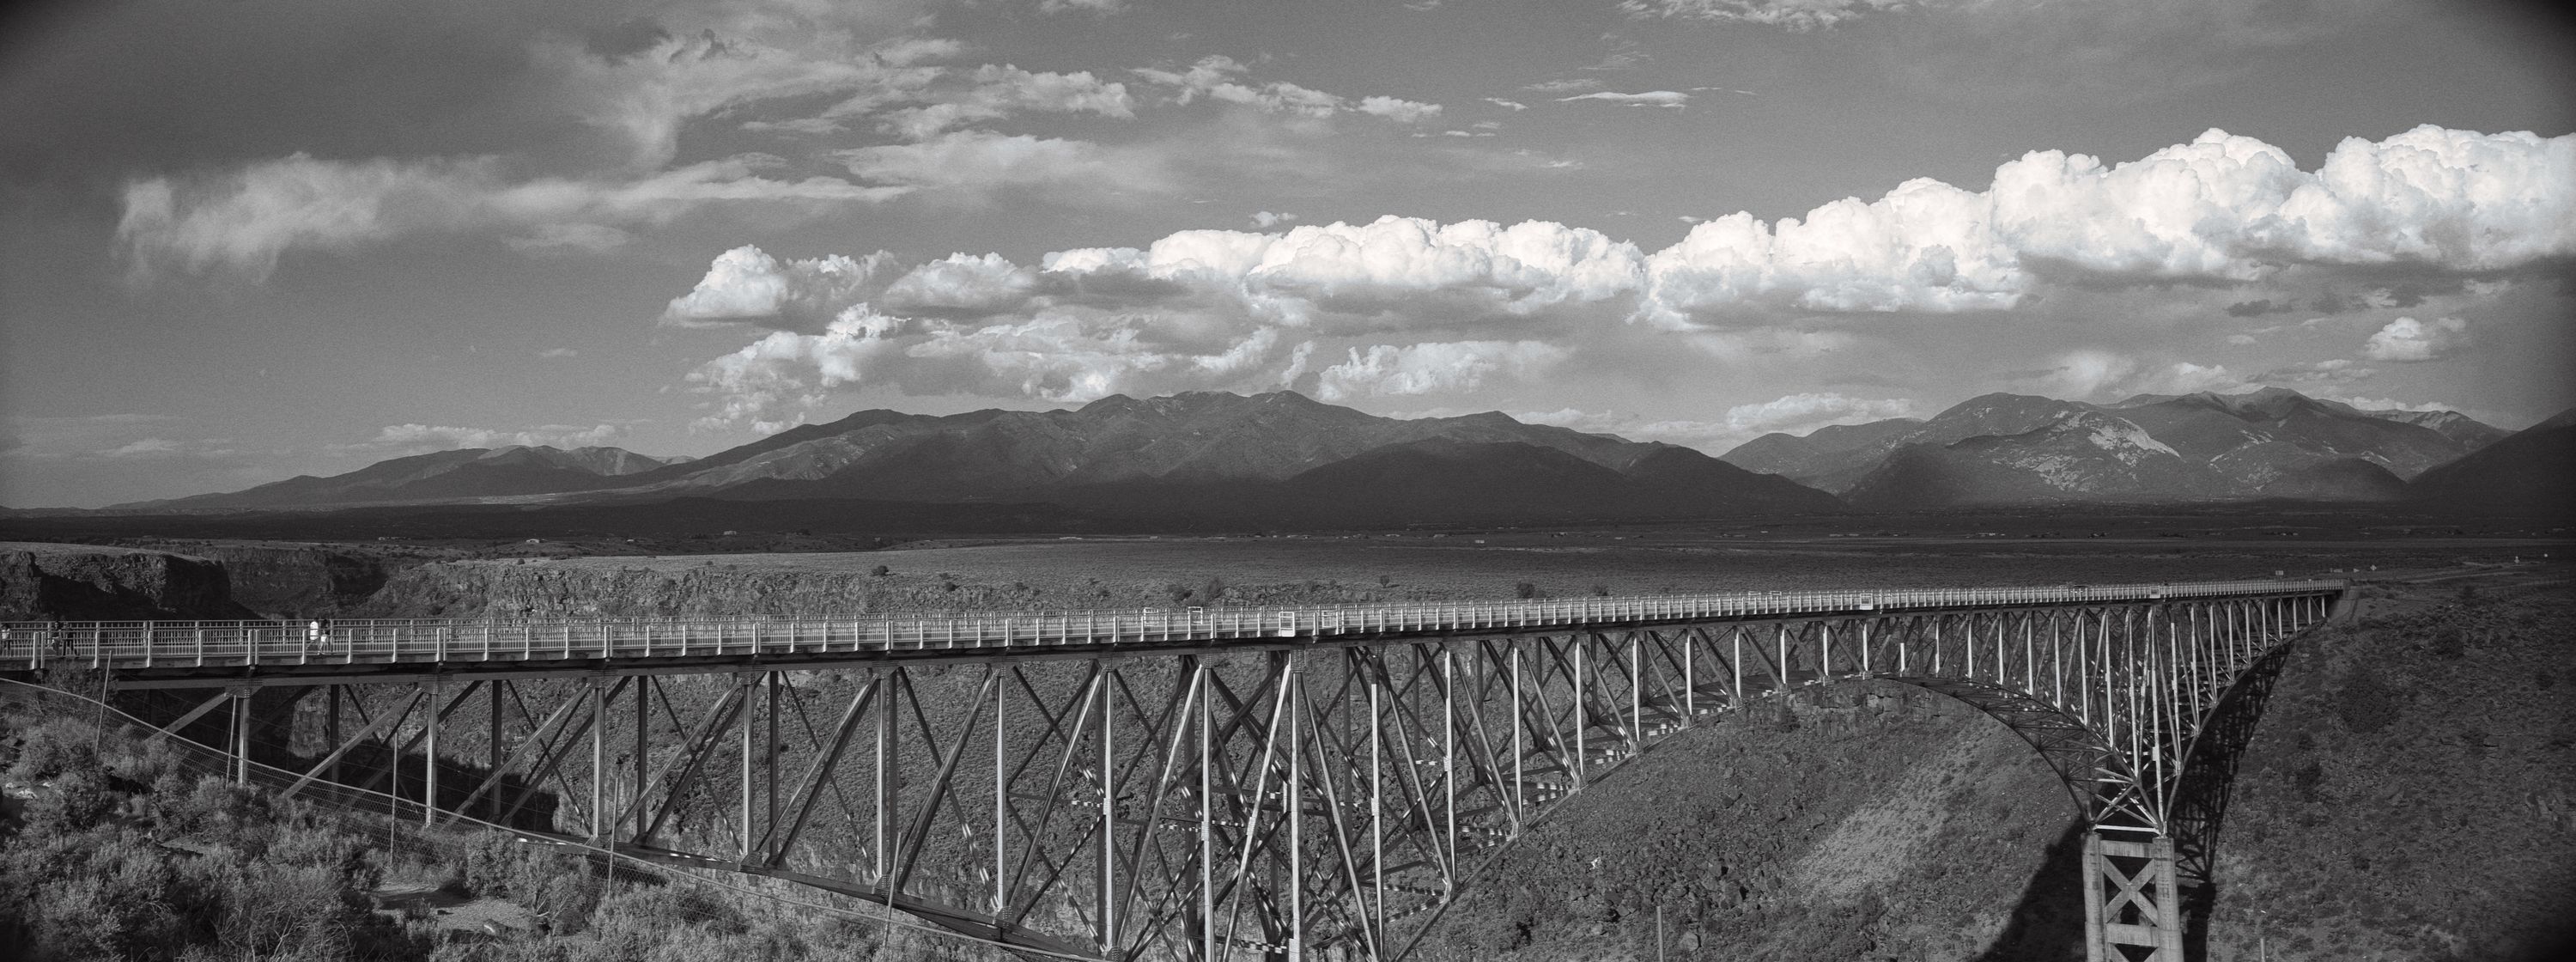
[[174, 644]]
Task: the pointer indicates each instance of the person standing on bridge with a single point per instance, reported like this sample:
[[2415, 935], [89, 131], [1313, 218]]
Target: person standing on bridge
[[317, 637]]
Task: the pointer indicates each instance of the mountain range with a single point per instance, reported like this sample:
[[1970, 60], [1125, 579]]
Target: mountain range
[[1283, 460], [1277, 458], [2020, 449]]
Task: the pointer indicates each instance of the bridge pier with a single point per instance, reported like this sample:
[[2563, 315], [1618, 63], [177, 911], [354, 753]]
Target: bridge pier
[[2132, 905]]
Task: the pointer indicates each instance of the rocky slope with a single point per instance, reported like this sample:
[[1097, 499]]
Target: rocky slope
[[40, 580], [2012, 449], [2411, 791], [1863, 821]]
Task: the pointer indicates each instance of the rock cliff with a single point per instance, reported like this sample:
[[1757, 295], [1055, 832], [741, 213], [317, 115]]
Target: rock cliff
[[41, 580]]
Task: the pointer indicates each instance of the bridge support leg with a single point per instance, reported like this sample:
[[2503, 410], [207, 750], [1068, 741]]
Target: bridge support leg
[[241, 732], [2132, 906]]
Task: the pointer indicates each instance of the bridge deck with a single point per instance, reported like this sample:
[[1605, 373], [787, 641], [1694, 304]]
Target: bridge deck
[[214, 652]]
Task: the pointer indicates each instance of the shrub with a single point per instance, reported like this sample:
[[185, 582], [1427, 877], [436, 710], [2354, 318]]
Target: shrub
[[1525, 590], [2366, 703]]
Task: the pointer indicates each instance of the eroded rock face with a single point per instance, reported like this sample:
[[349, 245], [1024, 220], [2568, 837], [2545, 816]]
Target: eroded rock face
[[290, 581], [39, 580]]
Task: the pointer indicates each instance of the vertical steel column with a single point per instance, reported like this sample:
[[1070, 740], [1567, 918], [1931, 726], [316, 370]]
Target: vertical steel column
[[1002, 800], [748, 681], [1377, 778], [1295, 798], [1636, 694], [769, 762], [1582, 708], [429, 754], [1448, 763], [1207, 818], [643, 748], [1520, 721], [2093, 920], [1108, 809], [1690, 680], [241, 733], [1780, 669], [1737, 664], [885, 788], [1865, 624], [599, 831]]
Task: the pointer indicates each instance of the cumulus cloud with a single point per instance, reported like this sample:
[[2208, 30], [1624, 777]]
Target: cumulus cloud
[[2407, 340], [1267, 219], [244, 220], [2221, 208], [746, 284], [1442, 367], [1353, 309], [1650, 98]]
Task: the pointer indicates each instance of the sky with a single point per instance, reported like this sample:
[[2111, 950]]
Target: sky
[[246, 240]]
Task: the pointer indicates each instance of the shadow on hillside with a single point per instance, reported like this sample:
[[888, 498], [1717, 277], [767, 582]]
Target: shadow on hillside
[[2047, 925], [2200, 802]]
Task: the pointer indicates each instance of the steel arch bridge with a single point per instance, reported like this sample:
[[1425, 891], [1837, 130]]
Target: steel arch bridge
[[1202, 784]]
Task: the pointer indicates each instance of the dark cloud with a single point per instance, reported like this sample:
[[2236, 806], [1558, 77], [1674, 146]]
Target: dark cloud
[[2259, 308], [625, 39]]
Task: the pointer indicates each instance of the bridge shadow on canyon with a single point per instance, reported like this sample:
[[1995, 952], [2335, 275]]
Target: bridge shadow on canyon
[[2048, 924]]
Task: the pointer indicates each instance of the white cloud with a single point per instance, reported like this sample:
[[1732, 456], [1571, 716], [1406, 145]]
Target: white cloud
[[645, 99], [961, 285], [1804, 412], [747, 284], [975, 163], [558, 353], [1564, 85], [243, 221], [2392, 404], [1798, 414], [1511, 105], [1650, 98], [1097, 8], [1790, 14], [2406, 340], [2221, 208], [1385, 370], [409, 439], [1003, 90], [1225, 309], [1222, 78], [1399, 110], [1266, 219]]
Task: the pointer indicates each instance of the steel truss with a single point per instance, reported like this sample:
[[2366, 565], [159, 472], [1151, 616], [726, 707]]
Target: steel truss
[[1316, 796]]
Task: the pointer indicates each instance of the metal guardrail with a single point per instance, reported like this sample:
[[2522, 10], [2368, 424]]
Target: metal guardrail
[[233, 644]]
